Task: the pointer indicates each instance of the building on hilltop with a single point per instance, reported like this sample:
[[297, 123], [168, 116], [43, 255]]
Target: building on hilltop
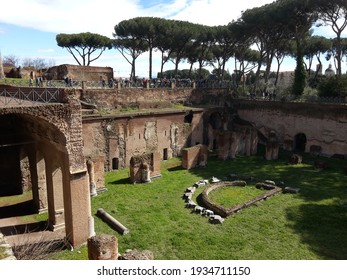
[[79, 73], [329, 71]]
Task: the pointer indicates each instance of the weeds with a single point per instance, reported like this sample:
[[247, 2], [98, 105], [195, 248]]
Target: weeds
[[37, 245]]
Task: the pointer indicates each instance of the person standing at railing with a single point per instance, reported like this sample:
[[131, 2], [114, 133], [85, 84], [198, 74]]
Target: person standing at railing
[[111, 83], [37, 81], [66, 79]]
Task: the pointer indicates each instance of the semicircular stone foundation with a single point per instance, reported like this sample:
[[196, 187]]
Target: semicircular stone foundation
[[225, 212]]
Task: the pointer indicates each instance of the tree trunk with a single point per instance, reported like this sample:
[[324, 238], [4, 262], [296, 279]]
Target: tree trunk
[[2, 74]]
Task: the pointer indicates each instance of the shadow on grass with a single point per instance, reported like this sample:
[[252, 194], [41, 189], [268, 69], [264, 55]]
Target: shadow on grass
[[321, 218], [176, 168], [120, 181], [24, 228], [322, 227], [17, 209]]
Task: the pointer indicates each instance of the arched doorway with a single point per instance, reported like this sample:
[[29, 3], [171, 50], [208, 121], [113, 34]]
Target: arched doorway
[[300, 141], [55, 130], [216, 121], [35, 159]]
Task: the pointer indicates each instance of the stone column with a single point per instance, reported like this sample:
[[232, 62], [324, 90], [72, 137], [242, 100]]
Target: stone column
[[272, 147], [92, 185], [146, 173], [77, 209], [84, 86]]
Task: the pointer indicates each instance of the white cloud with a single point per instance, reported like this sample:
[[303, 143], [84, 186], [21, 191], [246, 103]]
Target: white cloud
[[73, 16], [217, 12], [67, 16]]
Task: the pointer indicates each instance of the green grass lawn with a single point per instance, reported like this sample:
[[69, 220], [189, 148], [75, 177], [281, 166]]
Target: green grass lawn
[[3, 253], [15, 81], [308, 225], [232, 196]]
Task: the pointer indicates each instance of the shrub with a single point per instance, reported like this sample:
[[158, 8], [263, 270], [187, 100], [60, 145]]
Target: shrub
[[333, 86]]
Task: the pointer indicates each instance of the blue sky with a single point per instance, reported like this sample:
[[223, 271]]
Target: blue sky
[[28, 27]]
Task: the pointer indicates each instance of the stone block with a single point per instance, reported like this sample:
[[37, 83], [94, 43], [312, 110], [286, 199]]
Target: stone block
[[320, 164], [102, 247], [199, 209], [191, 204], [137, 255], [295, 159], [216, 219], [291, 190], [208, 213], [144, 167]]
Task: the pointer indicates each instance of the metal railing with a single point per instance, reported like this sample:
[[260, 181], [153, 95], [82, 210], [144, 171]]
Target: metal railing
[[28, 96], [49, 91], [120, 83], [294, 99]]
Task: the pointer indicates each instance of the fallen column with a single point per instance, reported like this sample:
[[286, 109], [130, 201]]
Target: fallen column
[[101, 213]]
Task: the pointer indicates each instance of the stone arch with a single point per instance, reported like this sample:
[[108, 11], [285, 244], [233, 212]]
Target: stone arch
[[188, 117], [300, 141], [51, 140], [216, 120]]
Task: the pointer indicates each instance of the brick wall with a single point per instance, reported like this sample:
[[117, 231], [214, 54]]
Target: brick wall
[[194, 156]]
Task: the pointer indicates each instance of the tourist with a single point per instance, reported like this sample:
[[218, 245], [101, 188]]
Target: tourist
[[38, 81]]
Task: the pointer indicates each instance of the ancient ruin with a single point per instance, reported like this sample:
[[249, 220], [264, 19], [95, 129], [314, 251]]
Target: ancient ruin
[[144, 167], [195, 156], [102, 247], [59, 142]]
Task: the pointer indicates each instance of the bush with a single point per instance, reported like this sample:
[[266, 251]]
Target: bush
[[333, 86]]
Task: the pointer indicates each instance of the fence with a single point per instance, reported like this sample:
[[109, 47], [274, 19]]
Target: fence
[[121, 83], [49, 91], [295, 99], [28, 96]]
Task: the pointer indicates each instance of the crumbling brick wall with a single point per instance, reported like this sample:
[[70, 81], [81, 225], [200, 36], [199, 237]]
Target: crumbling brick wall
[[79, 73], [194, 156], [140, 163]]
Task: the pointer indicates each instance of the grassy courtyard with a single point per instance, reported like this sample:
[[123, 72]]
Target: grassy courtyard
[[308, 225]]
